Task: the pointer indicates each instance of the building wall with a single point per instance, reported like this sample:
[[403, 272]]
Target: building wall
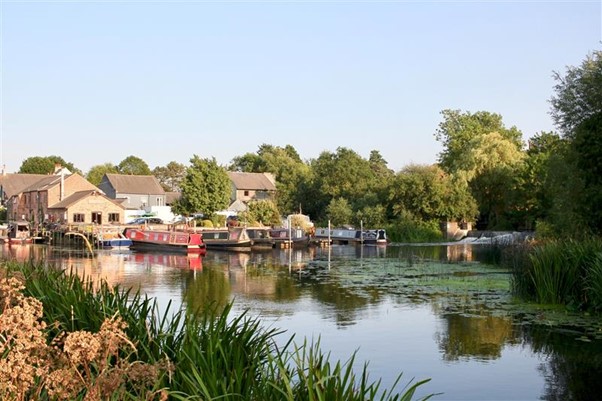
[[87, 206], [141, 201], [246, 195]]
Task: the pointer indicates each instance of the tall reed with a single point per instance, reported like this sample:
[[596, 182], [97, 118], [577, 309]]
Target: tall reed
[[564, 272], [203, 355]]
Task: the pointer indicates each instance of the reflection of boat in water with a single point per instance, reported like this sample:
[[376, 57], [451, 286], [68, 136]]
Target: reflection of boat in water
[[191, 261], [260, 237], [112, 240], [346, 236], [169, 241], [229, 239], [18, 233]]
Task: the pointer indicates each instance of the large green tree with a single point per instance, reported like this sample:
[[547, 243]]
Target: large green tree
[[459, 129], [97, 172], [170, 176], [428, 193], [578, 94], [133, 165], [205, 188], [45, 165]]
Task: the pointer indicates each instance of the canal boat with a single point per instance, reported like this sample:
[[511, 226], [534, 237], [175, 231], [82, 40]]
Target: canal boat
[[113, 240], [227, 239], [164, 240], [19, 232], [297, 238], [260, 237], [345, 236]]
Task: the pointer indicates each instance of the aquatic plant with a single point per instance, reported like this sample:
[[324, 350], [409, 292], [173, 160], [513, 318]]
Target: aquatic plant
[[566, 272], [109, 343]]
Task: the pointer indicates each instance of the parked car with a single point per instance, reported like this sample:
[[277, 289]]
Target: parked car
[[146, 220]]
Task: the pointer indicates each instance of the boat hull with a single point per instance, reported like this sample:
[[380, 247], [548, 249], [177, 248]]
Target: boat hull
[[166, 241]]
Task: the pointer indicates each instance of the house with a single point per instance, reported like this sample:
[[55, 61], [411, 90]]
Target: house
[[32, 202], [251, 186], [13, 184], [90, 206], [133, 191]]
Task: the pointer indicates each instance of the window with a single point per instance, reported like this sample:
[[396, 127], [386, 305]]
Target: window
[[159, 201], [78, 217], [113, 217], [246, 193]]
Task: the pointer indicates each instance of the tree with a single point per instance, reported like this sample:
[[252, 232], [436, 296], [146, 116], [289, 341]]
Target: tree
[[133, 165], [578, 94], [170, 176], [205, 188], [45, 165], [458, 129], [97, 172], [339, 212], [261, 212], [428, 193]]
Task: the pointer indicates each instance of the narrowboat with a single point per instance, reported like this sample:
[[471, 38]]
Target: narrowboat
[[298, 238], [260, 237], [345, 236], [227, 239], [164, 240]]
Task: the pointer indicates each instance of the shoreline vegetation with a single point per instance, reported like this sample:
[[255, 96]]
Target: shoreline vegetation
[[65, 338]]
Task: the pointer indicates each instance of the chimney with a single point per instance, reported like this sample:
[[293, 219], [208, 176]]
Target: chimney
[[57, 167]]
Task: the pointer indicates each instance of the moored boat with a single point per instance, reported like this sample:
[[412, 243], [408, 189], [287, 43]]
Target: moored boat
[[228, 239], [345, 236], [297, 237], [163, 240], [112, 240], [19, 232], [260, 237]]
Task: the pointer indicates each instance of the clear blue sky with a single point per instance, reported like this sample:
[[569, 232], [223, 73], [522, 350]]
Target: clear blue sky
[[95, 82]]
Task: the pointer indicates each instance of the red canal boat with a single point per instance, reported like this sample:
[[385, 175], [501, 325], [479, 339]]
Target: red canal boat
[[163, 240]]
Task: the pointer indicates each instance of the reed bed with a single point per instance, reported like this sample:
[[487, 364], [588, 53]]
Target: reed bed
[[63, 338], [565, 272]]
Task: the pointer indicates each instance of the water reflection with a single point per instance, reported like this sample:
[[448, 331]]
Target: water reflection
[[429, 311]]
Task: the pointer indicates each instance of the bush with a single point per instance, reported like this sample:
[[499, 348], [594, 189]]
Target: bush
[[409, 229]]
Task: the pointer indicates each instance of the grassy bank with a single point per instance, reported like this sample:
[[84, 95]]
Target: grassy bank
[[62, 338], [565, 272]]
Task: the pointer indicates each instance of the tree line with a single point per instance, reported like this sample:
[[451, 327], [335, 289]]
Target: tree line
[[486, 173]]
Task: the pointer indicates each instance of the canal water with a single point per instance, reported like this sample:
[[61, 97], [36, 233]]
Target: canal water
[[439, 312]]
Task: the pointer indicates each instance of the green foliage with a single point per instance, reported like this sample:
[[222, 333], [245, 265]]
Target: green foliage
[[170, 176], [428, 193], [97, 172], [409, 229], [207, 223], [370, 216], [339, 212], [563, 272], [133, 165], [578, 94], [205, 189], [45, 165], [458, 130], [261, 212], [3, 214]]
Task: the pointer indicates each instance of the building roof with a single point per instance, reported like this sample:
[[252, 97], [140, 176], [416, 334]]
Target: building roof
[[171, 197], [77, 196], [135, 184], [253, 181], [14, 184], [237, 206]]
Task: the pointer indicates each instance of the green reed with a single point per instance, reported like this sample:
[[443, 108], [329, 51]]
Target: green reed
[[211, 354], [565, 272]]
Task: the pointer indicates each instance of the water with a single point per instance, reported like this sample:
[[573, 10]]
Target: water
[[439, 312]]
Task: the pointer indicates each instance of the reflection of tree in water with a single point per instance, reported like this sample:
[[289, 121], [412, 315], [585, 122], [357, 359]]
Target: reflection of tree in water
[[572, 370], [481, 337], [209, 288]]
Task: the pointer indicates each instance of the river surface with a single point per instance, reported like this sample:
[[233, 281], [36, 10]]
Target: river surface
[[438, 312]]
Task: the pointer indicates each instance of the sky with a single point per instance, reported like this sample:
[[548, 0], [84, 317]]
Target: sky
[[97, 81]]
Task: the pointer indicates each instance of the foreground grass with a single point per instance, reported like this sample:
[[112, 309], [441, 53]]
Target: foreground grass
[[63, 339]]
